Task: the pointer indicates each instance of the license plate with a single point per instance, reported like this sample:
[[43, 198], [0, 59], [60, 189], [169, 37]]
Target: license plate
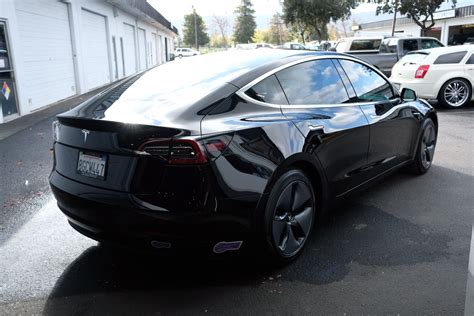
[[91, 165]]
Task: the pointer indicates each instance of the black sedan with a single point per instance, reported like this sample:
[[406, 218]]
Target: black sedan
[[233, 150]]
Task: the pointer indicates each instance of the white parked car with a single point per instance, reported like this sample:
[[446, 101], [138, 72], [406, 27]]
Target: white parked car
[[293, 45], [185, 52], [445, 74]]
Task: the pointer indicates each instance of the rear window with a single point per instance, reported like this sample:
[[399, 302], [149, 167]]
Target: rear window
[[370, 44], [389, 45], [452, 58], [268, 90], [414, 58], [430, 43]]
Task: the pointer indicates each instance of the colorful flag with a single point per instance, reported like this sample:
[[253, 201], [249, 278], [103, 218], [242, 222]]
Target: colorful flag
[[6, 90]]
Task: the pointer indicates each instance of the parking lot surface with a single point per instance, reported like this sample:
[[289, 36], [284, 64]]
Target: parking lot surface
[[401, 247]]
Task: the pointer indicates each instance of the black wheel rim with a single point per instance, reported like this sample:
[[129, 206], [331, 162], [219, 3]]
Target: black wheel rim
[[293, 218], [428, 144]]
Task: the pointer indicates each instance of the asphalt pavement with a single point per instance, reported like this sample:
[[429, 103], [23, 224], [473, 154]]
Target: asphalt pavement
[[401, 247]]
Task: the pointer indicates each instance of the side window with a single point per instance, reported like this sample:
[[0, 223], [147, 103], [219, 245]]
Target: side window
[[430, 43], [368, 85], [313, 82], [452, 58], [410, 45], [373, 44], [268, 90], [470, 60]]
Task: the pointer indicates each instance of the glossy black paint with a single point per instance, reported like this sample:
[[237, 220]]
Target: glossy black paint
[[143, 198]]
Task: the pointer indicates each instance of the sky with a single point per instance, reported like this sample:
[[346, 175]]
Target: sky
[[174, 10]]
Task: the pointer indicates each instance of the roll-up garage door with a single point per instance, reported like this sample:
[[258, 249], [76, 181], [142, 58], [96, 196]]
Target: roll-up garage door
[[129, 49], [45, 41], [142, 48], [153, 49], [94, 49]]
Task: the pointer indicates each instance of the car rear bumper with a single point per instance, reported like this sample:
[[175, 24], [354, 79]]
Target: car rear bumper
[[123, 218], [423, 90]]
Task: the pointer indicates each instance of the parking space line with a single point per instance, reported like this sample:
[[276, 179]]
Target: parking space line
[[469, 306]]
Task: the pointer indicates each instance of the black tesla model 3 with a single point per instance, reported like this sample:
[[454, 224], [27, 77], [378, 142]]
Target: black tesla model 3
[[230, 150]]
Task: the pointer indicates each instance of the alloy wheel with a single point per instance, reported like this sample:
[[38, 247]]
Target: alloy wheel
[[428, 144], [293, 218], [456, 93]]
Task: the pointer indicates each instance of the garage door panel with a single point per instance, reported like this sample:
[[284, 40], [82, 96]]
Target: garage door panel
[[45, 41], [142, 48], [129, 49], [95, 50]]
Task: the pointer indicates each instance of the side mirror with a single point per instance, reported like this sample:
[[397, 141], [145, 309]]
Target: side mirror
[[408, 94]]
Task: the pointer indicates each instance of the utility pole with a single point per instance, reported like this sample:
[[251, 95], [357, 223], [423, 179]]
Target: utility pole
[[195, 30], [394, 17]]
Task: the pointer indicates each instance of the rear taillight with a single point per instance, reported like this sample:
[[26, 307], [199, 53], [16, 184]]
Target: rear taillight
[[176, 151], [421, 71]]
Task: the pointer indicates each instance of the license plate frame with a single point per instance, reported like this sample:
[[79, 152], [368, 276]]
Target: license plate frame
[[92, 165]]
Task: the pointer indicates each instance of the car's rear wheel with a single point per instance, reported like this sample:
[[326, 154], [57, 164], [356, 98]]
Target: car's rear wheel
[[426, 148], [455, 93], [289, 216]]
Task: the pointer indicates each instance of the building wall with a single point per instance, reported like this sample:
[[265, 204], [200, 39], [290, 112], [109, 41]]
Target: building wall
[[39, 53], [414, 30]]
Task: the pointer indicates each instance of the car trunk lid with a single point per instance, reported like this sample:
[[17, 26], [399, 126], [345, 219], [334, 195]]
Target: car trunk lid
[[407, 67]]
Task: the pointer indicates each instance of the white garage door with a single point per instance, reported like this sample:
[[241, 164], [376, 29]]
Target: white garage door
[[153, 49], [45, 41], [142, 49], [129, 49], [94, 50]]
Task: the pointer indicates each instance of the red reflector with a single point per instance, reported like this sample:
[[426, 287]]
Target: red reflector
[[421, 71]]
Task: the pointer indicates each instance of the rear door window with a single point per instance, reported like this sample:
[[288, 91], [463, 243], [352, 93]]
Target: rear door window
[[368, 85], [268, 91], [313, 82], [451, 58], [470, 60]]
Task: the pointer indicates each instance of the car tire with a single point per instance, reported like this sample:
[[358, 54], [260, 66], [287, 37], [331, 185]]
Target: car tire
[[289, 216], [426, 148], [180, 56], [462, 96]]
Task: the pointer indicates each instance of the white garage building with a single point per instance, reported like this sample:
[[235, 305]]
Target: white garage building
[[54, 49]]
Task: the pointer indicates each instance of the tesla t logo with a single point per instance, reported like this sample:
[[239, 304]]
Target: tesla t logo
[[85, 132]]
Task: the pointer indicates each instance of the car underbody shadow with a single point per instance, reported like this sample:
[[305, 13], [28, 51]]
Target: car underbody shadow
[[356, 233]]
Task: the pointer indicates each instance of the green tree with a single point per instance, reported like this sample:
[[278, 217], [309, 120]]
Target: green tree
[[189, 30], [245, 22], [316, 14], [420, 11], [278, 30], [262, 36]]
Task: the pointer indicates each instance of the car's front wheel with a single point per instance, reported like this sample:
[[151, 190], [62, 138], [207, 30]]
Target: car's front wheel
[[289, 216], [455, 93]]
